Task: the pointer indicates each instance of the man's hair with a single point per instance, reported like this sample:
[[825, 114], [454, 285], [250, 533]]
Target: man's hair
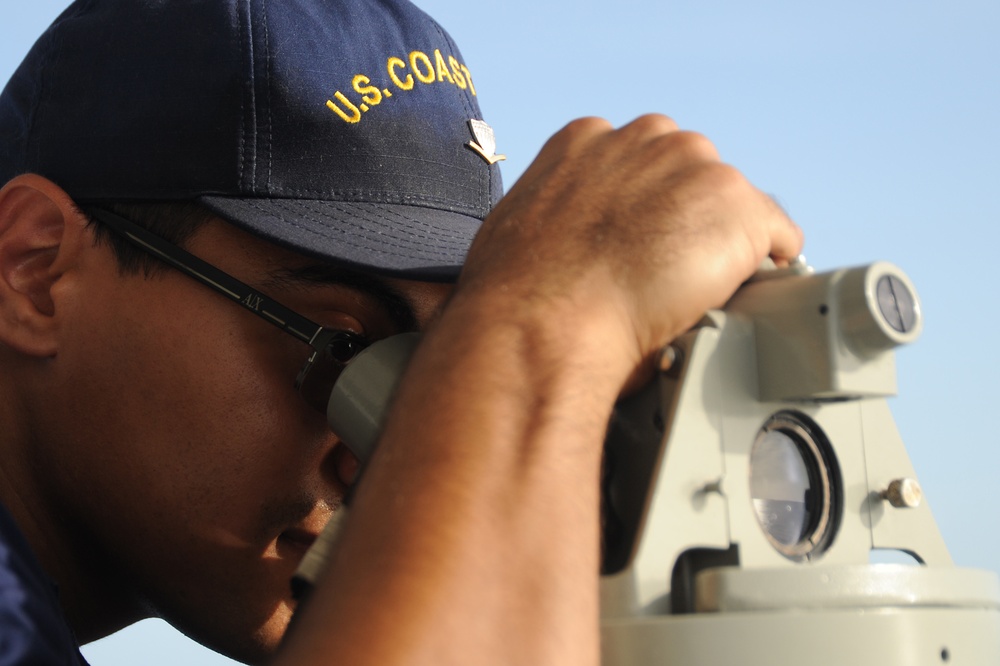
[[173, 221]]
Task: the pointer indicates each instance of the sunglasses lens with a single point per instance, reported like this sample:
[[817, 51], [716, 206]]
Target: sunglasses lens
[[321, 371]]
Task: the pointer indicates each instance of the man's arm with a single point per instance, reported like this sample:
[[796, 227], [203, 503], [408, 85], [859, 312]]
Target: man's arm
[[474, 535]]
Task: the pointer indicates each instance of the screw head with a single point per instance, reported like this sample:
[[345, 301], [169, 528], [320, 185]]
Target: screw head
[[671, 358], [903, 493]]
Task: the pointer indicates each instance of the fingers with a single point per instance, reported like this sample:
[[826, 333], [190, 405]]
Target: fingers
[[655, 140], [787, 237]]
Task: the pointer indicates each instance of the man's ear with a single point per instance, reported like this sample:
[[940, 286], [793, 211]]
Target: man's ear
[[41, 235]]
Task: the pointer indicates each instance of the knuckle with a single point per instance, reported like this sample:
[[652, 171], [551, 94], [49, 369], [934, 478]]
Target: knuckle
[[692, 145], [724, 179], [575, 134], [653, 123], [583, 127]]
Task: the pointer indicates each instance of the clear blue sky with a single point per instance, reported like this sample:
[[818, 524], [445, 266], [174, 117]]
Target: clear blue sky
[[875, 123]]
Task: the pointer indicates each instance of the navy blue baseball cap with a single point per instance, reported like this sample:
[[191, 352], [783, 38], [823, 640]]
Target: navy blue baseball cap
[[345, 129]]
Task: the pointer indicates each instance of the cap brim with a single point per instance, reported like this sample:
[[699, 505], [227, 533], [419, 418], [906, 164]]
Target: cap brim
[[411, 242]]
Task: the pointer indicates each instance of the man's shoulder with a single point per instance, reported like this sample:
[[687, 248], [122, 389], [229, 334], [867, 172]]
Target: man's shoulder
[[33, 629]]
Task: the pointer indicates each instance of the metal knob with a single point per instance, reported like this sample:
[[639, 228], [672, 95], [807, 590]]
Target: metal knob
[[903, 493]]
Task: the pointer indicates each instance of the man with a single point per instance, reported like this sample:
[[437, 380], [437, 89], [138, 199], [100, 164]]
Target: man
[[165, 451]]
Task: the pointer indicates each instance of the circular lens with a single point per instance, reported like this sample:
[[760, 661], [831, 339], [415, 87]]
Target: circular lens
[[780, 487], [791, 485]]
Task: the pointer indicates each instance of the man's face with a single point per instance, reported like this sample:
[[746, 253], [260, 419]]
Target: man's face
[[174, 445]]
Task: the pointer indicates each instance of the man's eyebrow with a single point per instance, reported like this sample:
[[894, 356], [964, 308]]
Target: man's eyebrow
[[395, 303]]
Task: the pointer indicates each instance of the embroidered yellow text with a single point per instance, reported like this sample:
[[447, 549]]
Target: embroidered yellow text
[[402, 74]]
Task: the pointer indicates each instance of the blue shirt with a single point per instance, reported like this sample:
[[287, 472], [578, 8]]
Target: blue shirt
[[33, 629]]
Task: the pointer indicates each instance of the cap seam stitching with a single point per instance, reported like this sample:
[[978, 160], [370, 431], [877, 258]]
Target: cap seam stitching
[[267, 82], [430, 229], [345, 236], [406, 197], [241, 160]]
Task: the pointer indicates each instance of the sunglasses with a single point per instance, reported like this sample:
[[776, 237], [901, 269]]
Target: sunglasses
[[332, 349]]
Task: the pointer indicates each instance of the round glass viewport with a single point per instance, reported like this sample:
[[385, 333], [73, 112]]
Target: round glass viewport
[[792, 484]]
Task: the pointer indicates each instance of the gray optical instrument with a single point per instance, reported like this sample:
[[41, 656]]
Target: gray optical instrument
[[746, 487]]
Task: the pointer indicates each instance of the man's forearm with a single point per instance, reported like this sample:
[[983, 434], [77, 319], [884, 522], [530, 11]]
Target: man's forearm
[[474, 534]]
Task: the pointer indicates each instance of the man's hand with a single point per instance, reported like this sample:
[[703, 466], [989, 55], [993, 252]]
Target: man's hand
[[644, 223]]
